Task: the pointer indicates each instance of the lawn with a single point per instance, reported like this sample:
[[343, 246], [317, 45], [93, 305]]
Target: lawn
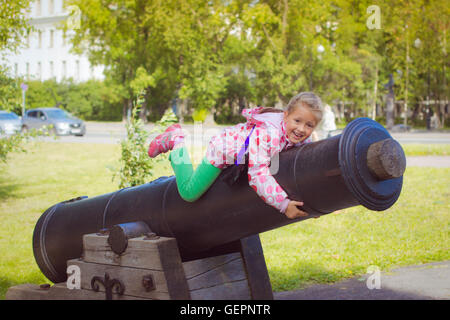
[[340, 245], [426, 149]]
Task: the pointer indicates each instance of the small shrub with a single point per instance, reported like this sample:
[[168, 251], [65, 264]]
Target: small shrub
[[136, 167]]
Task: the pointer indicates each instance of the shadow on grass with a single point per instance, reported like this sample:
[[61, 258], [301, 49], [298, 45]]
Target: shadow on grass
[[300, 276], [8, 188]]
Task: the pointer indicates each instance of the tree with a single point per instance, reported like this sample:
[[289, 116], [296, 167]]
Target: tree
[[124, 35], [221, 54], [13, 23], [13, 27]]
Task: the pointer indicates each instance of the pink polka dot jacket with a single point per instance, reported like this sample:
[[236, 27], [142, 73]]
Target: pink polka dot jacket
[[266, 141]]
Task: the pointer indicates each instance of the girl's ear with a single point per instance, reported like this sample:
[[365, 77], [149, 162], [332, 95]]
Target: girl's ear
[[285, 114]]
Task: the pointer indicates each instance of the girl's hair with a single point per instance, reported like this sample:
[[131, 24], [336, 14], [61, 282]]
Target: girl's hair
[[307, 99]]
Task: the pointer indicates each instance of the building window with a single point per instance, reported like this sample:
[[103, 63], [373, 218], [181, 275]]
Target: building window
[[38, 8], [16, 69], [52, 35], [77, 66], [40, 39], [64, 69], [52, 72], [27, 70], [51, 6], [28, 39], [39, 71]]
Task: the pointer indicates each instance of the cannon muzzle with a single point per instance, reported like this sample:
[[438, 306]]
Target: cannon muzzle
[[361, 166]]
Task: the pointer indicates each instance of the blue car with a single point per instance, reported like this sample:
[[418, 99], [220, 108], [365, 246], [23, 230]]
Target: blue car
[[10, 123], [62, 122]]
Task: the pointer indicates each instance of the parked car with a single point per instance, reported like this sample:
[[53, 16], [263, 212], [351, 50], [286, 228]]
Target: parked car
[[10, 123], [63, 123], [401, 128]]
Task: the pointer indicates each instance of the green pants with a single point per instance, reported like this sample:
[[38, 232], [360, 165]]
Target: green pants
[[192, 184]]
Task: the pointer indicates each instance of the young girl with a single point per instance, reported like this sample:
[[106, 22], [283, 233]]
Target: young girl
[[267, 132]]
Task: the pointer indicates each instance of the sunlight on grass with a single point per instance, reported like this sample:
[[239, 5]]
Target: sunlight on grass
[[426, 149]]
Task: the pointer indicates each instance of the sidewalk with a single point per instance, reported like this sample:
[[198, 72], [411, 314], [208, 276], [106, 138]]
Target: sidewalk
[[428, 161], [424, 282]]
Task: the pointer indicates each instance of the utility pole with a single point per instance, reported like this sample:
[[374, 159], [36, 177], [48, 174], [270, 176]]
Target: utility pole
[[406, 78], [24, 88]]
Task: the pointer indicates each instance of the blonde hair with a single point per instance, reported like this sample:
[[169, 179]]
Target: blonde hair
[[306, 99]]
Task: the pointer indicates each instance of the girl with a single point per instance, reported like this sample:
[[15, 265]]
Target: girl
[[267, 132]]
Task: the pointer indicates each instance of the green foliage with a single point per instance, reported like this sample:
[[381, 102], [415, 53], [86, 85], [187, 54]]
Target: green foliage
[[90, 100], [218, 54], [136, 167], [16, 142], [199, 115], [10, 144], [13, 23], [10, 93]]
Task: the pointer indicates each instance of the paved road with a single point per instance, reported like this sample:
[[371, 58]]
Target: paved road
[[199, 135], [114, 132], [425, 282]]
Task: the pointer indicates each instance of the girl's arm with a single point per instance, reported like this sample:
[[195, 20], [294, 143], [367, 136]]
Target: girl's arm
[[262, 146]]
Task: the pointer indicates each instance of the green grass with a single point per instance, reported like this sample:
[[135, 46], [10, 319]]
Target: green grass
[[344, 244], [340, 245], [426, 149]]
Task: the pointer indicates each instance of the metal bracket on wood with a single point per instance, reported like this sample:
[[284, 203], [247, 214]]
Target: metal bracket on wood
[[109, 285], [148, 283]]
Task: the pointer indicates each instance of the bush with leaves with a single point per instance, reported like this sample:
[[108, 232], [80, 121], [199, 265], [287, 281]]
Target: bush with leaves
[[15, 143], [136, 167]]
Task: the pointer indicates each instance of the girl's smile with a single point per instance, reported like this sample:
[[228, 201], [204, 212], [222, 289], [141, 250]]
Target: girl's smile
[[300, 124]]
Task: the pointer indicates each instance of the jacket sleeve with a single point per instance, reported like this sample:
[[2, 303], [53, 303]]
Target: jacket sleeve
[[262, 146]]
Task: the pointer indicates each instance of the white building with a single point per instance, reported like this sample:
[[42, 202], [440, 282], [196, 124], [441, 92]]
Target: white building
[[47, 49]]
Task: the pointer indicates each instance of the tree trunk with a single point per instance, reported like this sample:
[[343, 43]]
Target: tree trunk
[[375, 89], [125, 108], [143, 112], [390, 110]]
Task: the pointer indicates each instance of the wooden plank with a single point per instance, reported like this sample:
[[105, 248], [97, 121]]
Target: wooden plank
[[173, 270], [255, 265], [130, 277], [238, 290], [140, 253], [58, 292], [230, 271], [159, 254], [196, 267]]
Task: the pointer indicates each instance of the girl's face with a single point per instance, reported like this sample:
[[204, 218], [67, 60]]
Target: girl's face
[[300, 123]]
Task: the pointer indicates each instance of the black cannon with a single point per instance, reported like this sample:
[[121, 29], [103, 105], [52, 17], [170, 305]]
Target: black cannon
[[361, 166]]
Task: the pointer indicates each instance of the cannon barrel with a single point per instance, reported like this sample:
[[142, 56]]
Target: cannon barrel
[[361, 166]]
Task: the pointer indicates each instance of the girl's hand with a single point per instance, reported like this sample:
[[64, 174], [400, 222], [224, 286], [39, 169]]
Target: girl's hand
[[293, 212]]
